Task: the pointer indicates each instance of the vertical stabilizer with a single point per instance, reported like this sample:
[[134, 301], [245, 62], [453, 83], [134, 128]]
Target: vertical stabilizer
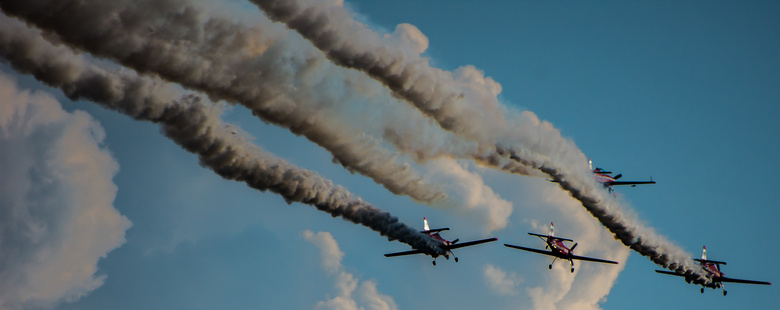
[[552, 230]]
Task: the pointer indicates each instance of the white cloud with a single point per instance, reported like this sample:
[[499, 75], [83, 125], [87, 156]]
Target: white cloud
[[469, 195], [56, 196], [329, 249], [501, 282], [373, 299], [352, 293]]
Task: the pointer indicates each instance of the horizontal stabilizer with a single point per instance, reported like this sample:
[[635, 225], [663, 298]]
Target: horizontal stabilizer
[[545, 236], [430, 231], [709, 261]]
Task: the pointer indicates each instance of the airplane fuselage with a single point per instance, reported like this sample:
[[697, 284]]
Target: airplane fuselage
[[442, 243], [604, 179], [558, 247], [714, 273]]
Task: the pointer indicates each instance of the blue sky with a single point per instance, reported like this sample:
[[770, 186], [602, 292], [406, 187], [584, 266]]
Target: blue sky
[[684, 92]]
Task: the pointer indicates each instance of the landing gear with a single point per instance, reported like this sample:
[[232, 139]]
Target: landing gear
[[549, 266], [456, 259], [702, 290], [572, 269], [724, 292], [434, 263]]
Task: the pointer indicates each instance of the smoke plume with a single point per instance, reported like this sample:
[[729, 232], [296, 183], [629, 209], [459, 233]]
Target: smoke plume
[[194, 124], [454, 104], [257, 67]]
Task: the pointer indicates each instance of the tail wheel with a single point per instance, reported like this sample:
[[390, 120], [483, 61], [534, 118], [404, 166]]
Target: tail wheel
[[456, 259], [724, 293]]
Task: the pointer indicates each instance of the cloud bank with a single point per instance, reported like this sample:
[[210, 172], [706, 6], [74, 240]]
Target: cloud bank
[[57, 217], [352, 294]]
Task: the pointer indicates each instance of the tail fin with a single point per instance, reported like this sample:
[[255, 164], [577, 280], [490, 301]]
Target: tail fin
[[425, 224], [704, 253]]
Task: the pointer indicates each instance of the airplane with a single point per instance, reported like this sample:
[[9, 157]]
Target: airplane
[[446, 245], [605, 178], [716, 276], [558, 249]]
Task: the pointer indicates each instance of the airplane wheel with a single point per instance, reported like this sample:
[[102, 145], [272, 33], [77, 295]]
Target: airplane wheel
[[702, 290], [434, 263], [724, 293], [456, 259], [549, 266], [572, 269]]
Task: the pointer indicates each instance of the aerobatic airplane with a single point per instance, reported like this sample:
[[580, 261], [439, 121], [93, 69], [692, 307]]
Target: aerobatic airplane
[[558, 249], [446, 245], [605, 178], [717, 277]]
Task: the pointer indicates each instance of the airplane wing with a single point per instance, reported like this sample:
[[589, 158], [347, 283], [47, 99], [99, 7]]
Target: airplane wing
[[591, 259], [543, 252], [403, 253], [545, 236], [629, 182], [743, 281], [470, 243], [718, 279], [670, 273]]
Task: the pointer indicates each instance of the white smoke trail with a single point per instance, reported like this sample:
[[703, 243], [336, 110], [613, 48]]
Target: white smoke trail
[[254, 66], [195, 125], [265, 77], [438, 94]]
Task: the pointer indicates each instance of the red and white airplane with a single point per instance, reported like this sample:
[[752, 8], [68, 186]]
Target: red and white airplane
[[605, 178], [444, 244], [558, 249], [717, 277]]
